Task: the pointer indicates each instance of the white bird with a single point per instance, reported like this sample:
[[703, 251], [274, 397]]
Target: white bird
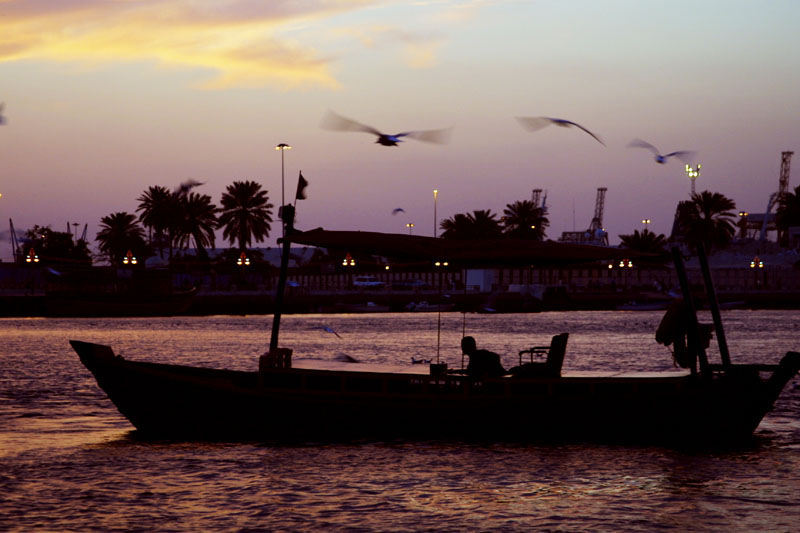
[[537, 123], [335, 122], [684, 155]]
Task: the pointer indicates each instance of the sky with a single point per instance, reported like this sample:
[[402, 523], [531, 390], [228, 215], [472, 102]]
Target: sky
[[103, 99]]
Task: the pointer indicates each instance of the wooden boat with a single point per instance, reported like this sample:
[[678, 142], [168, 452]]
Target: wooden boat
[[321, 400], [305, 399]]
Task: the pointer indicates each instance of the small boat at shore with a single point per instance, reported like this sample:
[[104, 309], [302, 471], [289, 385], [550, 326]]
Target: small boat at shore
[[295, 398]]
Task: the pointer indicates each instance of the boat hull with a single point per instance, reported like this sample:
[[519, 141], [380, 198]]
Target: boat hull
[[289, 403]]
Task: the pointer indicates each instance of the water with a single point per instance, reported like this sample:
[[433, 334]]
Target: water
[[69, 461]]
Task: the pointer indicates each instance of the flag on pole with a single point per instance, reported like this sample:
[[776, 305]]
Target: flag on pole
[[301, 187]]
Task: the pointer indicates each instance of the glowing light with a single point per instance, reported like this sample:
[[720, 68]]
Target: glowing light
[[129, 259]]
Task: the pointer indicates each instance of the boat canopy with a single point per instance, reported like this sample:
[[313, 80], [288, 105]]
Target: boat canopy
[[469, 253]]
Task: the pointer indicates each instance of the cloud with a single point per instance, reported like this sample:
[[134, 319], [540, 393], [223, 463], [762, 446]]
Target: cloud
[[418, 48], [241, 40]]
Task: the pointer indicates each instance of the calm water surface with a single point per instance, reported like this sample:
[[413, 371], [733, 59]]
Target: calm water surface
[[69, 461]]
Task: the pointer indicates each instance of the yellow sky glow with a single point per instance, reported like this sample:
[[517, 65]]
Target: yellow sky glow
[[244, 49]]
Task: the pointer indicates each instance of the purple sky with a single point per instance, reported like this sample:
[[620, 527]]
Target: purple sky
[[105, 98]]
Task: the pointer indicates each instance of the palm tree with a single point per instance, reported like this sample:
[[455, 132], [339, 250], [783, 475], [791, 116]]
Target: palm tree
[[198, 221], [480, 224], [707, 218], [158, 213], [456, 227], [646, 241], [523, 220], [120, 232], [246, 213], [788, 214]]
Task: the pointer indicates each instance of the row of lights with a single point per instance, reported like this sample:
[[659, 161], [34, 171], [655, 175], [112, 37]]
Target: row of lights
[[624, 263]]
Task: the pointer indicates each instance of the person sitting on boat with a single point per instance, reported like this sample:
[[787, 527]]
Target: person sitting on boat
[[482, 363], [673, 329]]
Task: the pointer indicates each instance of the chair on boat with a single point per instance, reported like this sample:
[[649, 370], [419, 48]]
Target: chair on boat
[[551, 367]]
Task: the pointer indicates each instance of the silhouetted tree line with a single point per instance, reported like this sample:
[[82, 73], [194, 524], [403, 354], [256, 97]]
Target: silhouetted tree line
[[169, 222]]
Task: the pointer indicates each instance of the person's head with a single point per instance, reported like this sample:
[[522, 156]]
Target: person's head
[[468, 345]]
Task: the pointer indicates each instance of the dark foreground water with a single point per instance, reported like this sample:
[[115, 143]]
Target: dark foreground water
[[69, 461]]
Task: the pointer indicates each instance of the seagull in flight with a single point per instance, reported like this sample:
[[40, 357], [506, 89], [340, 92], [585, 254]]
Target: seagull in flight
[[398, 210], [335, 122], [184, 188], [537, 123], [684, 155]]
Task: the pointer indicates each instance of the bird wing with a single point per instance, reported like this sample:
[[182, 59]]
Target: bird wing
[[398, 210], [187, 186], [569, 122], [684, 155], [537, 123], [429, 136], [335, 122], [638, 143], [2, 118], [534, 123]]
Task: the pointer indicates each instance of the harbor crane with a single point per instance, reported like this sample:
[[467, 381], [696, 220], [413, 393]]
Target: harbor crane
[[761, 223], [539, 201], [783, 188], [595, 234]]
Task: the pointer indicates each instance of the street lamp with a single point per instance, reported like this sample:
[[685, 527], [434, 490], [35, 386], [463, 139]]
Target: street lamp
[[435, 197], [129, 259], [410, 227], [743, 224], [282, 147], [646, 221], [243, 260], [693, 173]]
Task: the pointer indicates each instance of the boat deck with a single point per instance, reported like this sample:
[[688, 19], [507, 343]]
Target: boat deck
[[422, 370]]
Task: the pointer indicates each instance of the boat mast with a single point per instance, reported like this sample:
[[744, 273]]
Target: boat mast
[[693, 329], [724, 354], [287, 219]]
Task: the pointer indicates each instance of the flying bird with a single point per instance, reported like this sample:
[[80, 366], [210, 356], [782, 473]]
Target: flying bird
[[684, 155], [2, 118], [184, 188], [398, 210], [537, 123], [331, 330], [335, 122]]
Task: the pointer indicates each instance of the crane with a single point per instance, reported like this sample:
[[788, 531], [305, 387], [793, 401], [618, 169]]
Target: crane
[[783, 187], [595, 234]]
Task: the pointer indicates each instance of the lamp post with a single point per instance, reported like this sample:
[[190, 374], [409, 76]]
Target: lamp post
[[435, 197], [743, 224], [646, 221], [693, 173], [410, 227], [129, 259], [348, 263], [282, 147]]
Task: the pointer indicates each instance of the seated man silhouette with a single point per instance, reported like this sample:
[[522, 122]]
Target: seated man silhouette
[[482, 363]]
